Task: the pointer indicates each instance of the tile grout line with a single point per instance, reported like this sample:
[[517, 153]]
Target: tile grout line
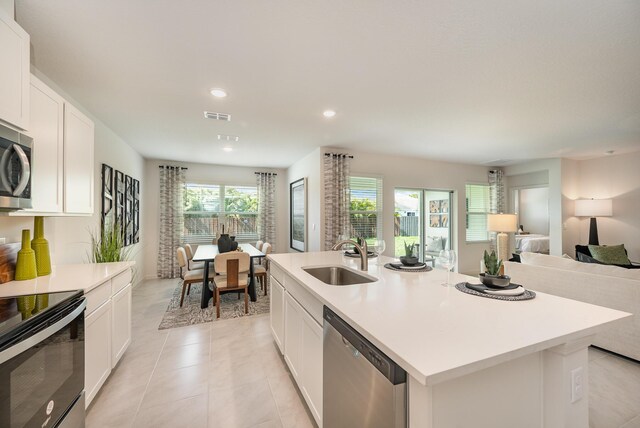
[[275, 401]]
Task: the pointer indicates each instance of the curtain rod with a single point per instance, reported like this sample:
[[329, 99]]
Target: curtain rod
[[339, 154], [172, 167], [270, 173]]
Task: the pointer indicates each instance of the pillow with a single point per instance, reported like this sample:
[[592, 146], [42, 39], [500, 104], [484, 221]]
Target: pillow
[[434, 243], [610, 255], [587, 259]]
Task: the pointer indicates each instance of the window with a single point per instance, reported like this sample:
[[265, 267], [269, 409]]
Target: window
[[477, 210], [209, 206], [366, 207]]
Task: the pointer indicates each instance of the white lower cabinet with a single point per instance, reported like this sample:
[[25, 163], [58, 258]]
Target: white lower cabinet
[[293, 333], [97, 348], [312, 365], [277, 312], [299, 337], [121, 331], [107, 330]]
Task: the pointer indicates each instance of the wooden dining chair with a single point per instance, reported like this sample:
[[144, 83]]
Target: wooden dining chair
[[190, 263], [189, 276], [261, 271], [232, 271]]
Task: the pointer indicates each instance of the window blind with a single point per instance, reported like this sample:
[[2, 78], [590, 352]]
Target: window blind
[[477, 208], [366, 206]]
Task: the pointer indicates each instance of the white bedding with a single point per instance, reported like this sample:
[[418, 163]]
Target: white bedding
[[532, 243]]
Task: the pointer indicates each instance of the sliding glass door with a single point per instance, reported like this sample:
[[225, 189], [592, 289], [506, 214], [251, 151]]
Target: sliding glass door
[[423, 218]]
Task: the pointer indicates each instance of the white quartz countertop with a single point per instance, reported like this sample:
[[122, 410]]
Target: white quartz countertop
[[66, 278], [437, 333]]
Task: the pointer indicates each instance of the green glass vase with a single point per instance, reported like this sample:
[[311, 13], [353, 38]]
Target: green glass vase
[[26, 265], [41, 247]]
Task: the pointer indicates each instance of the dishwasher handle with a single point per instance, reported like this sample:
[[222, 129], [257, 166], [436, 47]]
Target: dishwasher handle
[[359, 346]]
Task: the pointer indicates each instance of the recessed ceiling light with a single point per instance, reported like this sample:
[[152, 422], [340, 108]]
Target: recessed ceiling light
[[329, 113], [227, 149], [218, 93]]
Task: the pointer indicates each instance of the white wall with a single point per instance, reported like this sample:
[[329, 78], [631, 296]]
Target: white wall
[[570, 192], [213, 174], [616, 177], [8, 6], [533, 209], [406, 172], [69, 237], [310, 167]]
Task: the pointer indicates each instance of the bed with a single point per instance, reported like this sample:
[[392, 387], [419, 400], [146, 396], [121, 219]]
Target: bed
[[532, 243]]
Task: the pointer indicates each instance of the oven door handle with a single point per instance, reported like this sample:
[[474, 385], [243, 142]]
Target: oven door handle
[[31, 341]]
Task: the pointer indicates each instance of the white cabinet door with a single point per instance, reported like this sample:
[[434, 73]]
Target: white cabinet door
[[78, 162], [121, 324], [293, 334], [277, 312], [46, 128], [14, 73], [312, 365], [97, 348]]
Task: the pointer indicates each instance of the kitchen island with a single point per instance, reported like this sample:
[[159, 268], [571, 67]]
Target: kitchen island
[[470, 361]]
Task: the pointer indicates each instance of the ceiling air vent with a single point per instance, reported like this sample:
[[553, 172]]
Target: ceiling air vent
[[217, 116], [223, 137]]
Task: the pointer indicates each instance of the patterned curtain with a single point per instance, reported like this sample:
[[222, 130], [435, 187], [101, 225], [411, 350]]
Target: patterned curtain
[[336, 196], [172, 181], [267, 207], [497, 197]]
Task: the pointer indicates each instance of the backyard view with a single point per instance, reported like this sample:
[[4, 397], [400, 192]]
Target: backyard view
[[406, 227]]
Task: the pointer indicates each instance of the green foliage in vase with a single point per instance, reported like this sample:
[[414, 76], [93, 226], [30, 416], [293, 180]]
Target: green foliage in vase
[[491, 263], [408, 249], [108, 245]]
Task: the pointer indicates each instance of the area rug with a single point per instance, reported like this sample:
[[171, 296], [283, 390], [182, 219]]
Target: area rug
[[190, 313]]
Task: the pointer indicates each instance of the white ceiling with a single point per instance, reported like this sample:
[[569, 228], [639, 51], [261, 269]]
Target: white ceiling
[[458, 80]]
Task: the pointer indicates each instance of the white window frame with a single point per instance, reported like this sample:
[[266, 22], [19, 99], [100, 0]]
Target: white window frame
[[379, 197], [467, 213], [222, 214]]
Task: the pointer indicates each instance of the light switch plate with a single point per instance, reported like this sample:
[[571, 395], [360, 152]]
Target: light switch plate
[[577, 384]]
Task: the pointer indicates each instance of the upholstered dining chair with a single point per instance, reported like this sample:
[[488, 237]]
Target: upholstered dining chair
[[190, 262], [189, 276], [261, 271], [259, 245], [232, 271]]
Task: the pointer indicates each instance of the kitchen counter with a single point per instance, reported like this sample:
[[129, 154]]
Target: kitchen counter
[[409, 315], [66, 278]]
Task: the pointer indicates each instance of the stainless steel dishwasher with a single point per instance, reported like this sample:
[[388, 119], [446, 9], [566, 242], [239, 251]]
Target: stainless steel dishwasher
[[362, 387]]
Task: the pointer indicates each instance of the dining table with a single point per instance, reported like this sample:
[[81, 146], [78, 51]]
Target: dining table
[[208, 253]]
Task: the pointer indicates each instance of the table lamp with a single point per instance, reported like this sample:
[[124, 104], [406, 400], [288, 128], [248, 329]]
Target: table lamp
[[594, 208], [503, 224]]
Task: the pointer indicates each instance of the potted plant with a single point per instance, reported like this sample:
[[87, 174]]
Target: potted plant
[[408, 259], [491, 277]]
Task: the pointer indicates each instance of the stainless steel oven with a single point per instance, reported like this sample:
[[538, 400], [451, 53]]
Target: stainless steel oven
[[15, 169], [42, 360]]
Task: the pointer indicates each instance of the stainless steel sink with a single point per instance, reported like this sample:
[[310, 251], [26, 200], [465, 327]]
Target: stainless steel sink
[[337, 275]]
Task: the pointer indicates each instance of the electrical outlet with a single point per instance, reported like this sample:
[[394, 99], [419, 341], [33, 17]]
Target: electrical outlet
[[577, 384]]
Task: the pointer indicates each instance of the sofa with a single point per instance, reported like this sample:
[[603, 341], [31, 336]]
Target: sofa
[[602, 285]]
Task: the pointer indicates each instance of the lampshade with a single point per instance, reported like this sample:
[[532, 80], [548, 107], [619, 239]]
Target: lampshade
[[594, 208], [502, 223]]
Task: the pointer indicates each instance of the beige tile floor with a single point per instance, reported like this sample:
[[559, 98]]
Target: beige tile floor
[[228, 374], [222, 374]]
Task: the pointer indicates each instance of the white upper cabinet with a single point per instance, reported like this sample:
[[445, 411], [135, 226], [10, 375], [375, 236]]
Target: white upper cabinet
[[78, 162], [14, 73], [46, 123]]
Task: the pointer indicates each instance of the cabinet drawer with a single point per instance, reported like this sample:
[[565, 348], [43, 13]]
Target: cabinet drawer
[[98, 296], [276, 272], [310, 303], [120, 281]]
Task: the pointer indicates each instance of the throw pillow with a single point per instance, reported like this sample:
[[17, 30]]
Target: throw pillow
[[610, 254], [434, 243], [587, 259]]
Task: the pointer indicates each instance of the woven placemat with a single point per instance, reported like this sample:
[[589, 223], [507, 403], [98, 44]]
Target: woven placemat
[[426, 268], [527, 295]]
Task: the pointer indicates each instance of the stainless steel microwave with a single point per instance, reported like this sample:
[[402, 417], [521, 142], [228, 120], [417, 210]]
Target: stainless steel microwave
[[15, 170]]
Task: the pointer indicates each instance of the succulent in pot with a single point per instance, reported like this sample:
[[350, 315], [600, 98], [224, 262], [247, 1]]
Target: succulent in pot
[[409, 259], [491, 277]]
